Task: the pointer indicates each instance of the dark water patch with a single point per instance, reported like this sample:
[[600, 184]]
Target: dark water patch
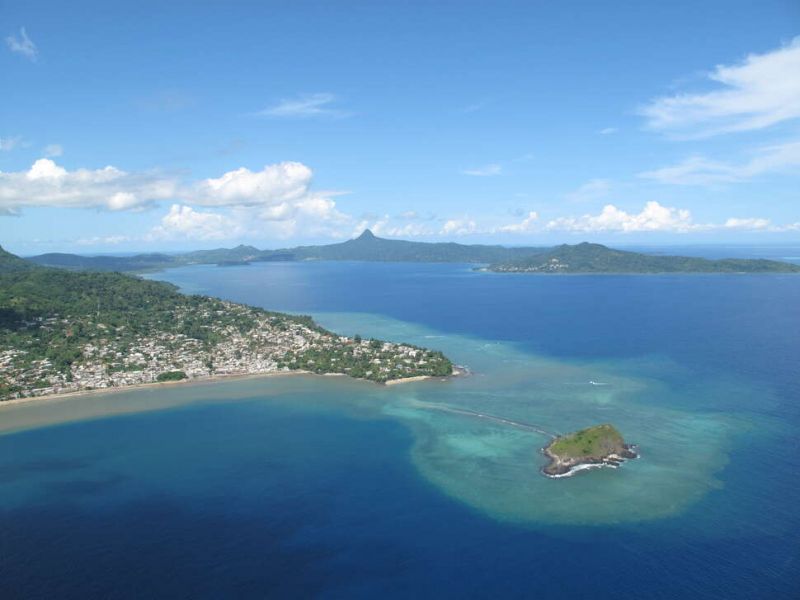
[[80, 487], [11, 472]]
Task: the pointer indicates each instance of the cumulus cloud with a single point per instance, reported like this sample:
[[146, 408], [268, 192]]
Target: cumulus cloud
[[760, 91], [462, 226], [608, 130], [653, 217], [53, 150], [272, 186], [596, 188], [22, 45], [185, 223], [487, 171], [47, 184], [526, 225], [697, 170], [304, 106]]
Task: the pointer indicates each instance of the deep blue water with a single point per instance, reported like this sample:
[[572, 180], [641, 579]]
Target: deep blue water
[[250, 499]]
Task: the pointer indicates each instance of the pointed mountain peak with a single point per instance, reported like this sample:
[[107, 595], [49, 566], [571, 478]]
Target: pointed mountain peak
[[366, 235]]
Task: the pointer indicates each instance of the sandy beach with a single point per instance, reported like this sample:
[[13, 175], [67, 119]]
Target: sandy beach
[[157, 384], [195, 381]]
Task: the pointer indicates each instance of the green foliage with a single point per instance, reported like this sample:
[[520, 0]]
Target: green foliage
[[49, 318], [171, 376], [53, 314], [368, 247], [594, 442], [11, 263]]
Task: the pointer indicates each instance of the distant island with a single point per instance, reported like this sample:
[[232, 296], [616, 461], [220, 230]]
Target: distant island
[[600, 445], [596, 258], [62, 331], [579, 258], [366, 247]]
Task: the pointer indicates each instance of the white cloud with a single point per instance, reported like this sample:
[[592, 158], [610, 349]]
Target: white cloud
[[11, 142], [53, 150], [487, 171], [185, 223], [276, 200], [94, 241], [278, 195], [306, 105], [762, 90], [22, 44], [526, 225], [734, 223], [596, 188], [47, 184], [697, 170], [462, 226], [653, 217], [272, 186], [408, 216], [384, 227], [608, 130]]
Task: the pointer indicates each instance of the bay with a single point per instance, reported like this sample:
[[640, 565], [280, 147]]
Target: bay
[[303, 486]]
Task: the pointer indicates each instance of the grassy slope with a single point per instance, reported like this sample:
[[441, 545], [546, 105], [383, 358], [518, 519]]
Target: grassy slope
[[11, 263], [593, 442]]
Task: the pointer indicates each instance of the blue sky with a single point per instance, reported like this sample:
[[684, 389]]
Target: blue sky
[[170, 125]]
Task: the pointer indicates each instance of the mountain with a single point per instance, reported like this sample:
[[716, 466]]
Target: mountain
[[596, 258], [241, 253], [74, 262], [580, 258], [11, 263], [369, 247], [366, 247]]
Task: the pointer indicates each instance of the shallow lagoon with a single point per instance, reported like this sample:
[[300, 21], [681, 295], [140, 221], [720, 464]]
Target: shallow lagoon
[[389, 480]]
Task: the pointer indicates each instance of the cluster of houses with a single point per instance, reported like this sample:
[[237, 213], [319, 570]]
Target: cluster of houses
[[551, 266], [275, 343]]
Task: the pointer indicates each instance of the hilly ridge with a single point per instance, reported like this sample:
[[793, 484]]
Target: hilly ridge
[[579, 258], [596, 258]]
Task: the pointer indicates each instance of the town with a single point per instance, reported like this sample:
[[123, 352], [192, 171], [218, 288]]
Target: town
[[234, 339]]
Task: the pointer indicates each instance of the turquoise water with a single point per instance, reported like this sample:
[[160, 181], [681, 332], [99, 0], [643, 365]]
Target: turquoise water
[[302, 486]]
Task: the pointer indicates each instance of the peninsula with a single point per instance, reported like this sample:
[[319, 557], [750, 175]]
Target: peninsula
[[64, 331], [600, 445], [596, 258]]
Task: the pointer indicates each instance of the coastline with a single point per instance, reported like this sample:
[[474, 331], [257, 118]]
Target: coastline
[[568, 468], [200, 380], [155, 384]]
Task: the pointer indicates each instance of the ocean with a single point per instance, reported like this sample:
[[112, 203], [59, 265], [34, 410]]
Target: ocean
[[324, 487]]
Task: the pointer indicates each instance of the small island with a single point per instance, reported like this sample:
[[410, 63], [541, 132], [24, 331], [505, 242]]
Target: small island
[[596, 446]]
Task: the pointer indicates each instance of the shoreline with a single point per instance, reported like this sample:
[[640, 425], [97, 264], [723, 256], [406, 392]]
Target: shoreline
[[209, 379], [611, 460], [154, 384]]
